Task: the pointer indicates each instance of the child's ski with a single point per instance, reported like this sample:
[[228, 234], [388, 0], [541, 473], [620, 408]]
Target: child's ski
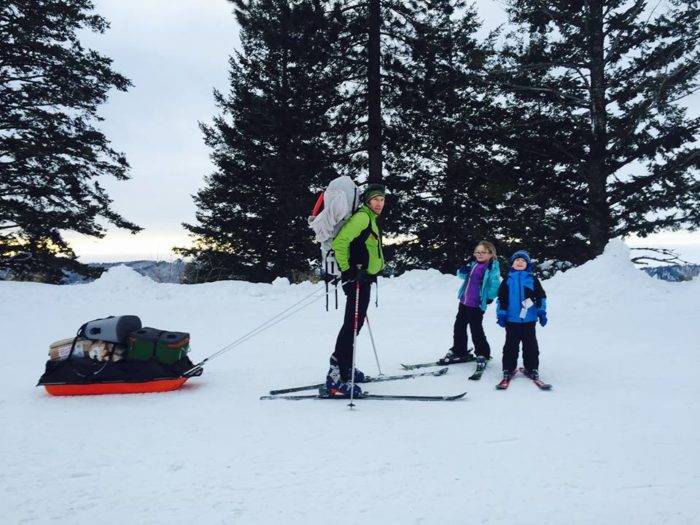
[[368, 379], [478, 372], [540, 384], [440, 362], [506, 382], [323, 394]]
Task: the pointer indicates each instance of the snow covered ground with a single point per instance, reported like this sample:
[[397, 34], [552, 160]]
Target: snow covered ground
[[617, 438]]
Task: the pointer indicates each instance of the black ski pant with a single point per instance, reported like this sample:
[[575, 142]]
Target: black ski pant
[[343, 345], [524, 333], [474, 317]]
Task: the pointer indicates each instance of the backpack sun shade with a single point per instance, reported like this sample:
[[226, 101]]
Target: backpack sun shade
[[333, 207]]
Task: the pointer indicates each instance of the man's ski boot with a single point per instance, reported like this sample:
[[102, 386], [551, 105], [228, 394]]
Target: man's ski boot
[[359, 376], [343, 390], [334, 372], [333, 375], [336, 387], [339, 388]]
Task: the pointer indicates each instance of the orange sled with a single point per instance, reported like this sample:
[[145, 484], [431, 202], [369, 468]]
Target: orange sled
[[87, 377], [162, 385]]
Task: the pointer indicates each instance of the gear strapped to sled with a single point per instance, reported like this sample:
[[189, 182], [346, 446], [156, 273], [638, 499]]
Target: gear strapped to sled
[[116, 355]]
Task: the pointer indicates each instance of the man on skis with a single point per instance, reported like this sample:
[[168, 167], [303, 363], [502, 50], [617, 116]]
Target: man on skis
[[358, 251]]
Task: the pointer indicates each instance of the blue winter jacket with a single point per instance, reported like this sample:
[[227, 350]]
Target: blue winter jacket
[[518, 286], [489, 284]]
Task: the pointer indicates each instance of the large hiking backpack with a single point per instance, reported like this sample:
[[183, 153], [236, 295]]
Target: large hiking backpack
[[333, 207]]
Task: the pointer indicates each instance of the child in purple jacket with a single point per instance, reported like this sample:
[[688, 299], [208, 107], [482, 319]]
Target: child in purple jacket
[[482, 276]]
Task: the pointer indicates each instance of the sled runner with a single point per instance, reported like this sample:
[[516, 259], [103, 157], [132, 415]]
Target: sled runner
[[92, 389]]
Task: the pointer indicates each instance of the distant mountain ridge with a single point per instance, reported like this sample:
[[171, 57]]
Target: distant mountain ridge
[[674, 272], [159, 271]]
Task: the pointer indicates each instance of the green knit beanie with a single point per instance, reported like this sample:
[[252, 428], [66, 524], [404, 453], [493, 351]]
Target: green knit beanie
[[372, 191]]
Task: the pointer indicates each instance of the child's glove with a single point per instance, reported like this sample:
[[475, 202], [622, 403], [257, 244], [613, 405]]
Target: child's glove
[[502, 318], [542, 316]]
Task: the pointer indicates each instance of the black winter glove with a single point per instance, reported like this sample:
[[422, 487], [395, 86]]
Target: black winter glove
[[330, 278], [353, 275]]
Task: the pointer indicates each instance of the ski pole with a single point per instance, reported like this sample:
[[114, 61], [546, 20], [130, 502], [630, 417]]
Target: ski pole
[[334, 280], [325, 278], [354, 335], [336, 286], [374, 347]]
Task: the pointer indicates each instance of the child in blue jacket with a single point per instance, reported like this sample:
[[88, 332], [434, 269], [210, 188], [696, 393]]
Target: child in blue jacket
[[481, 275], [521, 302]]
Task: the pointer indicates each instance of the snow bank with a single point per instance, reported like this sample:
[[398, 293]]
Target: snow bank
[[616, 438], [612, 274], [122, 279]]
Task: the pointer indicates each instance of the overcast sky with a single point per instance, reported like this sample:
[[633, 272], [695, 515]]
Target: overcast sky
[[176, 52]]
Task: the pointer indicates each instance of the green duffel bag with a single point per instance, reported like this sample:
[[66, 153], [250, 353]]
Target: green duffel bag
[[161, 345]]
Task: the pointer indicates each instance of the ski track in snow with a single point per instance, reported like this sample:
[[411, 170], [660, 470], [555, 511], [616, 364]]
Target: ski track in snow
[[617, 437]]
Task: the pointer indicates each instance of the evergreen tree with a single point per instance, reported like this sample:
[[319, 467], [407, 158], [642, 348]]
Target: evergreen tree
[[51, 153], [444, 139], [620, 69], [539, 145], [369, 117], [375, 57], [270, 144], [542, 190]]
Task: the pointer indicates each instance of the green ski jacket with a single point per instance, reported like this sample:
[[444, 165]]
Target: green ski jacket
[[359, 241]]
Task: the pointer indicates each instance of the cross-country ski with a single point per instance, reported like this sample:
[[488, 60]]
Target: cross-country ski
[[367, 379], [367, 396]]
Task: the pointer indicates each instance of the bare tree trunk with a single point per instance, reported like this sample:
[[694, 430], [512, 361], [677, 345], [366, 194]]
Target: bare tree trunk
[[599, 211], [454, 254], [374, 146]]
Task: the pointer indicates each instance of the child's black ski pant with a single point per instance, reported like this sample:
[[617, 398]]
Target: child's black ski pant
[[517, 333]]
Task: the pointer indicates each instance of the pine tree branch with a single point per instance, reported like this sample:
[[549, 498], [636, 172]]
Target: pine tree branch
[[542, 65], [626, 17], [649, 63], [31, 79], [582, 103], [553, 15], [348, 79], [348, 153], [401, 38], [647, 149], [353, 7], [684, 95], [625, 189]]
